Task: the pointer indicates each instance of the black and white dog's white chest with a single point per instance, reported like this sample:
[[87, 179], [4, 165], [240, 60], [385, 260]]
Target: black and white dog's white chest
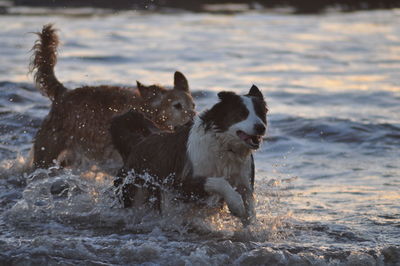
[[211, 155]]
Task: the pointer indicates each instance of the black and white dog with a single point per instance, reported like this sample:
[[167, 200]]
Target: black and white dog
[[206, 161]]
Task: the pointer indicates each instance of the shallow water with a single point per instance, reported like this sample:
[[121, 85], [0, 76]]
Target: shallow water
[[328, 174]]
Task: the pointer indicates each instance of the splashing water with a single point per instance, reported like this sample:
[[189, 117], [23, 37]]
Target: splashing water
[[327, 177]]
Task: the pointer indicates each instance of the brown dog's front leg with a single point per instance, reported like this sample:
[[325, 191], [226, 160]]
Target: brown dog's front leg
[[47, 148]]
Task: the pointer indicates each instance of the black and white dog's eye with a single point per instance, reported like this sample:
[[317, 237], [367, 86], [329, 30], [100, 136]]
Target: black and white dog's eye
[[178, 106]]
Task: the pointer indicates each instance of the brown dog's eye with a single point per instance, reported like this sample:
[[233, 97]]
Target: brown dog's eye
[[178, 106]]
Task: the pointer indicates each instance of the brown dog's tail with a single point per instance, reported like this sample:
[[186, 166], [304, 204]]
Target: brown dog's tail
[[43, 60]]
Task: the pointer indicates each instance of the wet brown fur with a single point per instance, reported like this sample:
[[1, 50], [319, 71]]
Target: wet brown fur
[[79, 120]]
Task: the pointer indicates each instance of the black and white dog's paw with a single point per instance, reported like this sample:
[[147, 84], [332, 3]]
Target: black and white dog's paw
[[233, 199], [236, 204]]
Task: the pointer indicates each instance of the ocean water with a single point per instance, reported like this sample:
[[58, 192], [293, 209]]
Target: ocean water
[[327, 175]]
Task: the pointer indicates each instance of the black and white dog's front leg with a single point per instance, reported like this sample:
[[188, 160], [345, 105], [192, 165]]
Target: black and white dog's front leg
[[233, 199], [245, 187], [201, 187], [246, 193], [240, 201], [133, 191]]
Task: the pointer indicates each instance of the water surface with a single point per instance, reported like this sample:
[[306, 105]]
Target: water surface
[[327, 176]]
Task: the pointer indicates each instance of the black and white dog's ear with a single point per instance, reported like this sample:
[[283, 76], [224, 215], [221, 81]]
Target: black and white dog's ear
[[255, 92], [224, 95]]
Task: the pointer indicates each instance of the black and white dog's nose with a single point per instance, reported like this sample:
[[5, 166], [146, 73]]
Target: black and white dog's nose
[[259, 129]]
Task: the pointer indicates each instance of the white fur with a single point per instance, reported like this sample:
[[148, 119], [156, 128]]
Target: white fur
[[233, 199], [222, 154], [224, 159], [217, 154]]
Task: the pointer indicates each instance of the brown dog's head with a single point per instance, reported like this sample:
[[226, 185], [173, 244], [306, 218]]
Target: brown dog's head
[[170, 108]]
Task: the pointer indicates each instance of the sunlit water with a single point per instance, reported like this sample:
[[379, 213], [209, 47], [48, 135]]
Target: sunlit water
[[328, 174]]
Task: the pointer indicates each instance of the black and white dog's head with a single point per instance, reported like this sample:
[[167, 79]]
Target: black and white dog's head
[[241, 120]]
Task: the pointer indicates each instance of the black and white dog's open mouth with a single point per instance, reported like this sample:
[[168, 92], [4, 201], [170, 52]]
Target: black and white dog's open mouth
[[253, 141]]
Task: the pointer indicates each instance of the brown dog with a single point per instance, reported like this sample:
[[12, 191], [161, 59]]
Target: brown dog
[[79, 119]]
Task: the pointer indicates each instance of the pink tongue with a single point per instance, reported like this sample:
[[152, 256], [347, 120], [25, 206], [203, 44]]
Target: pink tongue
[[243, 135]]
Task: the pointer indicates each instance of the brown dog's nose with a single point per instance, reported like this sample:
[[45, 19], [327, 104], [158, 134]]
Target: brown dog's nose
[[259, 129]]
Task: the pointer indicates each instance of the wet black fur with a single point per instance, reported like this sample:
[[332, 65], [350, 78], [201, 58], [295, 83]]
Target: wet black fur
[[231, 109], [143, 151], [217, 117]]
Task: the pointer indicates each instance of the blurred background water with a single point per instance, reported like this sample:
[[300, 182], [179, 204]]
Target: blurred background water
[[328, 174]]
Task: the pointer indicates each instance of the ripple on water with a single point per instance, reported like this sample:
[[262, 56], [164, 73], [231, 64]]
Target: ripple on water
[[331, 82]]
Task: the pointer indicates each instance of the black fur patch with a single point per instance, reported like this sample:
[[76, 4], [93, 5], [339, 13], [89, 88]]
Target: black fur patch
[[129, 129], [228, 111], [146, 149], [260, 107]]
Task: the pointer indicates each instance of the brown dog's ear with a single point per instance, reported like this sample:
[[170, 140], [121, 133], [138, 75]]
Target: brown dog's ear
[[180, 82], [138, 84], [142, 89], [149, 92], [255, 92]]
